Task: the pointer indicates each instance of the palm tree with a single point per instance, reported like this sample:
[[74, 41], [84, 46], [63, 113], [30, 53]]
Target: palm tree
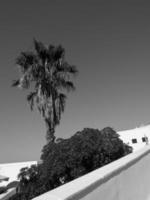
[[48, 74]]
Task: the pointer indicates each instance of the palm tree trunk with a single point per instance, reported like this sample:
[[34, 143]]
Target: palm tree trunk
[[50, 137]]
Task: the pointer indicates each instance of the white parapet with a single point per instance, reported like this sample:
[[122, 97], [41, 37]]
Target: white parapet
[[125, 179], [10, 192]]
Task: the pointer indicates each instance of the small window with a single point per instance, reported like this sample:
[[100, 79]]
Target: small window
[[134, 141], [143, 139]]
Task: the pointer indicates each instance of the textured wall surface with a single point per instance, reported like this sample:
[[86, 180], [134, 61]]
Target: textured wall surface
[[125, 179]]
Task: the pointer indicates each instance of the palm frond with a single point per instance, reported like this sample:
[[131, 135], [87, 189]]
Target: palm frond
[[31, 99], [25, 60], [15, 83], [62, 99], [51, 51], [59, 53], [25, 81], [39, 46], [41, 50], [67, 85], [65, 70], [68, 68]]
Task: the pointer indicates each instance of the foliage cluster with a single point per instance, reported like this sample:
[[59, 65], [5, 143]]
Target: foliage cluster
[[67, 159], [12, 184], [3, 189]]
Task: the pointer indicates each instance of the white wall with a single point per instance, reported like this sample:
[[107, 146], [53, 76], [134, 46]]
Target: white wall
[[11, 170], [125, 179], [10, 192], [136, 133]]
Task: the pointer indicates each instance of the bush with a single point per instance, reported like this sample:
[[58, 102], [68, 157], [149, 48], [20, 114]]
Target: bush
[[67, 159], [13, 184], [85, 151], [3, 189], [17, 197]]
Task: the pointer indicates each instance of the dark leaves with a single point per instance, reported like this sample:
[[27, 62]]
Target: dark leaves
[[62, 99], [15, 83], [30, 99], [68, 85], [65, 67], [59, 53], [41, 50], [25, 60], [63, 83]]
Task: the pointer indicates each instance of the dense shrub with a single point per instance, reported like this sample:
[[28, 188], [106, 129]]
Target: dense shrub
[[3, 189], [12, 184], [67, 159]]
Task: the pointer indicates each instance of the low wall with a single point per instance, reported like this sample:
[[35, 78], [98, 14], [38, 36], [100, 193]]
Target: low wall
[[125, 179], [8, 194]]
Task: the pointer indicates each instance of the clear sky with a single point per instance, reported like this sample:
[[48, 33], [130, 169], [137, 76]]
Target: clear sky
[[108, 41]]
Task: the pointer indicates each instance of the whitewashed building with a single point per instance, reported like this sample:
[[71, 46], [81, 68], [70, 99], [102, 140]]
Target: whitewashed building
[[137, 137], [11, 170]]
